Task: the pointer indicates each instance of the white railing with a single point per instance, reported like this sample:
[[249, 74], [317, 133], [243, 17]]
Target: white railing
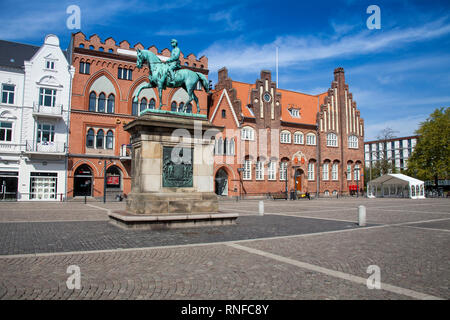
[[10, 147], [46, 110], [46, 147]]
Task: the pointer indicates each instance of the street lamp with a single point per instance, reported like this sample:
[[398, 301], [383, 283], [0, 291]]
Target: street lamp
[[240, 178]]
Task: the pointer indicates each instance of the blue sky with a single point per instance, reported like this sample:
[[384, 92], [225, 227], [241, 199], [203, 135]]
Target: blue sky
[[398, 74]]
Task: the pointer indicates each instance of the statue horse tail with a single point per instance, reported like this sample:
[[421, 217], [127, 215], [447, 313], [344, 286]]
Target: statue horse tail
[[204, 81]]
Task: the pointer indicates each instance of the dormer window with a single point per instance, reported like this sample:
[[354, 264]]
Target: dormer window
[[294, 112]]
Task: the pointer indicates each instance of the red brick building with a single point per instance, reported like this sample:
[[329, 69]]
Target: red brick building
[[105, 82], [277, 140]]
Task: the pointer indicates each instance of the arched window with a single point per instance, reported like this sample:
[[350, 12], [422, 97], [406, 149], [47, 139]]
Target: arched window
[[110, 108], [283, 170], [91, 47], [134, 108], [311, 139], [311, 171], [110, 140], [101, 49], [353, 142], [220, 147], [285, 137], [225, 146], [110, 50], [231, 147], [81, 45], [143, 104], [151, 104], [180, 107], [357, 174], [247, 133], [272, 170], [224, 114], [101, 102], [113, 176], [298, 138], [92, 101], [332, 140], [189, 108], [325, 171], [100, 139], [90, 137], [247, 170], [349, 171], [259, 170], [173, 106], [334, 171]]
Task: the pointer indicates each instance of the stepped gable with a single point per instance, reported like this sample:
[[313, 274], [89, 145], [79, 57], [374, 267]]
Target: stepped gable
[[110, 46]]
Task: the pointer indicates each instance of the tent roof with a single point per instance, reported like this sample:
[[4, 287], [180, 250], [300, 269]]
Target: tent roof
[[395, 178]]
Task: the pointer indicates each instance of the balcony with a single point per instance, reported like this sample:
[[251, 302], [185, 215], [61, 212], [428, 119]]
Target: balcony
[[125, 152], [47, 112], [10, 147], [46, 149]]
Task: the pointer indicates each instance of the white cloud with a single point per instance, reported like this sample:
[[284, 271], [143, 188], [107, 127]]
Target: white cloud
[[243, 57], [404, 126]]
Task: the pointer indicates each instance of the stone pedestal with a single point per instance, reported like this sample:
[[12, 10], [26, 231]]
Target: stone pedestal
[[172, 174]]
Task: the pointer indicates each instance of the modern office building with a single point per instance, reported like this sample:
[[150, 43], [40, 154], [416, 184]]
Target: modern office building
[[396, 150]]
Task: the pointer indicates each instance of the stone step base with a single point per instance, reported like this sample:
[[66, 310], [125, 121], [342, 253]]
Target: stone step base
[[126, 220]]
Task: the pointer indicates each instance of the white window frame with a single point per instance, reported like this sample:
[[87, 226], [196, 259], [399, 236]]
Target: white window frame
[[49, 64], [9, 93], [247, 174], [247, 133], [299, 138], [326, 171], [332, 140], [349, 172], [335, 171], [6, 130], [285, 137], [353, 142], [357, 173], [40, 131], [311, 171], [259, 170], [272, 170], [311, 139], [283, 170], [52, 95]]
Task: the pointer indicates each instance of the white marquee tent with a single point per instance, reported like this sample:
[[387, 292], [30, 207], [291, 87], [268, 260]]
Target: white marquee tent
[[396, 185]]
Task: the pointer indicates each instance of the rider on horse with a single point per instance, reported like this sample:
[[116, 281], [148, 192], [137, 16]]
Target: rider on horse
[[173, 62]]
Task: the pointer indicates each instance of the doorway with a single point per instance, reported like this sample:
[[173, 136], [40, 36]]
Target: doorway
[[8, 185], [221, 182], [298, 180], [82, 181]]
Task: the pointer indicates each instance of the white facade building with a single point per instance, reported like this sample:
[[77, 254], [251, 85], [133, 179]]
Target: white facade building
[[397, 151], [41, 125]]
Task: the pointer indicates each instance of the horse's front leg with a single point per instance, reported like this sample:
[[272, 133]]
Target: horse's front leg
[[136, 98]]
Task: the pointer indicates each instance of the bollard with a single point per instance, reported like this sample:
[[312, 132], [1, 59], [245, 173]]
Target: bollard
[[261, 208], [362, 216]]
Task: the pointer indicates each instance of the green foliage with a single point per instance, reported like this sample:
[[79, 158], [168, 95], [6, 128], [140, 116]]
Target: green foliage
[[431, 157]]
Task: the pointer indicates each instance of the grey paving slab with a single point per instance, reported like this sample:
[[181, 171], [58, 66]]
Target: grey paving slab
[[212, 272], [416, 259], [39, 237]]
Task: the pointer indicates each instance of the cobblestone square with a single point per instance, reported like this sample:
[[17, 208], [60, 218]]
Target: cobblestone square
[[297, 250]]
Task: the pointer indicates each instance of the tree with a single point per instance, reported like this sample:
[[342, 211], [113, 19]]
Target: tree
[[430, 159]]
